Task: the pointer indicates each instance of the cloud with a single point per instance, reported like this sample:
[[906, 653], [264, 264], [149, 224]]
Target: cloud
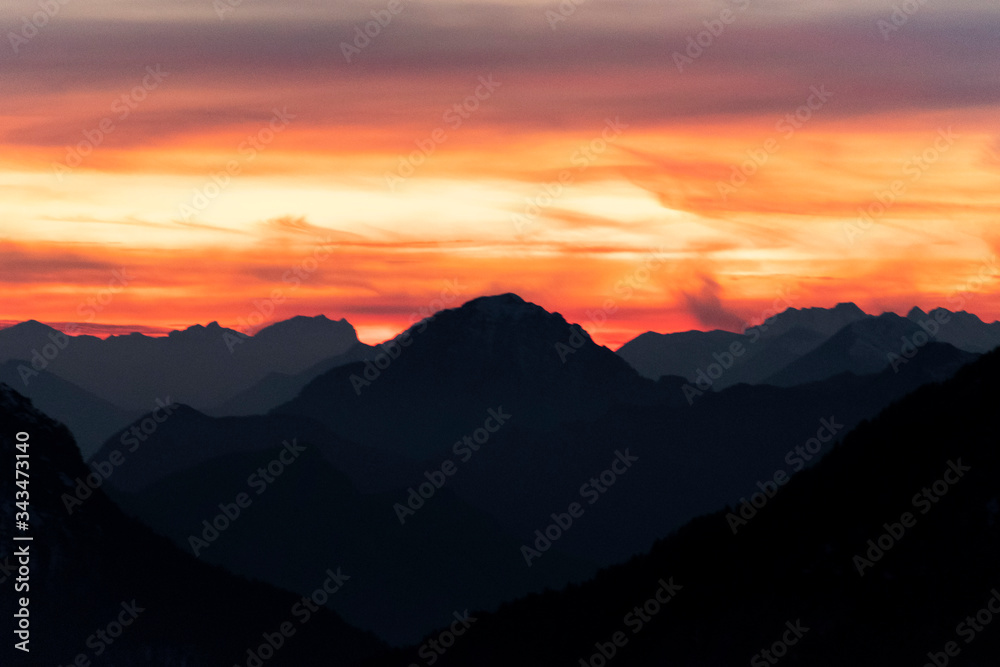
[[706, 305]]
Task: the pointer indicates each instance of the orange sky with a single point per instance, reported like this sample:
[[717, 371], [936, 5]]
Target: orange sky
[[238, 165]]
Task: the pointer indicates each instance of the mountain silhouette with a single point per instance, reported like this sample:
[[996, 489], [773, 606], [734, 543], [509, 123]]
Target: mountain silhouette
[[862, 347], [805, 345], [92, 420], [90, 567], [692, 459], [201, 365], [767, 347], [445, 373], [883, 553]]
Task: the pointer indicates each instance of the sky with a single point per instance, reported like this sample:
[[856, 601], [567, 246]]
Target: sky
[[632, 165]]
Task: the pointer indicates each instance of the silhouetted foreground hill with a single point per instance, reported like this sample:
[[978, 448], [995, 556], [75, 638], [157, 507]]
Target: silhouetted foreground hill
[[885, 553], [95, 571]]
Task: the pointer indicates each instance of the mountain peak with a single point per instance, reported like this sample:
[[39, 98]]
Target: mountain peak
[[503, 305], [198, 332], [825, 321], [849, 307], [29, 327]]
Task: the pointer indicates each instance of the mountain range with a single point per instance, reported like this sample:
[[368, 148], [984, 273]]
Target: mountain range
[[97, 386], [568, 414], [441, 468], [804, 345]]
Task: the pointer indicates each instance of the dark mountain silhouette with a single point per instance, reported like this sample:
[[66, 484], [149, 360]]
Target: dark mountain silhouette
[[448, 371], [692, 459], [654, 355], [805, 345], [278, 388], [861, 347], [90, 419], [87, 567], [963, 330], [409, 577], [769, 347], [823, 321], [187, 438], [808, 567], [201, 366]]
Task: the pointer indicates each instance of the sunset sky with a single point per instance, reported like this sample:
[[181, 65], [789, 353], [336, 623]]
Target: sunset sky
[[680, 164]]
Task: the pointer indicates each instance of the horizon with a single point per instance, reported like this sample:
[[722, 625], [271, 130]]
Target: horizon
[[367, 337]]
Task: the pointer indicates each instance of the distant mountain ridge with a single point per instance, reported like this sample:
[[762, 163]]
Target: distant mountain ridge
[[204, 366], [804, 345], [226, 373]]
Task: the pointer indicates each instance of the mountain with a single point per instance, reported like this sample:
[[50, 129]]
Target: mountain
[[654, 355], [90, 419], [823, 321], [278, 388], [862, 347], [689, 459], [203, 366], [798, 346], [886, 552], [443, 375], [963, 330], [767, 347], [94, 570], [410, 576]]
